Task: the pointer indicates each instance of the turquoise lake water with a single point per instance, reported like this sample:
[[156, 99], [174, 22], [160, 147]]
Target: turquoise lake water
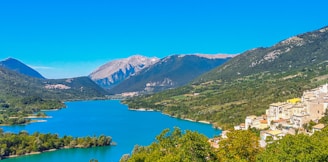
[[88, 118]]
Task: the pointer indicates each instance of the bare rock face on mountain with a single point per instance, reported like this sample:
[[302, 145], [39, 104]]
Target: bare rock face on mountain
[[114, 72], [170, 72]]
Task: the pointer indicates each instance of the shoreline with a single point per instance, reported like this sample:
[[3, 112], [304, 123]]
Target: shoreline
[[50, 150], [26, 154], [37, 117], [50, 110], [31, 153], [187, 119], [200, 121], [192, 120], [37, 121], [30, 122], [143, 109]]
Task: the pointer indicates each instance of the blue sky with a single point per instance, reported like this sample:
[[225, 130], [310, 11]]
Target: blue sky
[[68, 38]]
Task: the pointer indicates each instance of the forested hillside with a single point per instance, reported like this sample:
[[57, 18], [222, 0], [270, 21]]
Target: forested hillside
[[21, 95], [249, 82], [13, 84]]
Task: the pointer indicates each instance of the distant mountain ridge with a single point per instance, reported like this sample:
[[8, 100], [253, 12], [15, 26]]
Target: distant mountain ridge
[[113, 72], [170, 72], [16, 85], [20, 67]]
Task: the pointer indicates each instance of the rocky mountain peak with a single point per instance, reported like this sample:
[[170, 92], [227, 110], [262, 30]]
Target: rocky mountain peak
[[116, 71]]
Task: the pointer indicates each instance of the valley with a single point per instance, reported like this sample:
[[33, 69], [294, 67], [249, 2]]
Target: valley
[[163, 81], [221, 91]]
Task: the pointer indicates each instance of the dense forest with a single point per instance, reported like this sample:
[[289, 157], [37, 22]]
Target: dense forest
[[23, 143], [239, 146]]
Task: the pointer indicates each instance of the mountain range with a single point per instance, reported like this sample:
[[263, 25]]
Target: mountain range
[[136, 73], [249, 82], [169, 72]]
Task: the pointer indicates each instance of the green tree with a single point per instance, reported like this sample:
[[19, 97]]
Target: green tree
[[174, 146], [324, 120], [239, 146]]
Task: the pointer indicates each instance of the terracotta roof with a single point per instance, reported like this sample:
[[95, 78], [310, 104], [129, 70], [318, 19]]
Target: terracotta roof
[[279, 120], [263, 121]]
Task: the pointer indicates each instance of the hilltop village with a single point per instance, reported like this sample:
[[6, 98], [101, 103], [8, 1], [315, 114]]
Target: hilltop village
[[297, 114]]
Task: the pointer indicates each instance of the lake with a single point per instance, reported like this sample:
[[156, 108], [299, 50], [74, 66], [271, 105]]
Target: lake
[[89, 118]]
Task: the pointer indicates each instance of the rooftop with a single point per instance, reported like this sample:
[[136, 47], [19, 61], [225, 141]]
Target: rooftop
[[299, 106], [288, 106], [263, 121], [278, 104], [274, 132], [279, 120], [302, 114], [319, 126]]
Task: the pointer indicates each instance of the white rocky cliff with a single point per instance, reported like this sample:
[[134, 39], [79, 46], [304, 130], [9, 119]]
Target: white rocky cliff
[[114, 72]]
